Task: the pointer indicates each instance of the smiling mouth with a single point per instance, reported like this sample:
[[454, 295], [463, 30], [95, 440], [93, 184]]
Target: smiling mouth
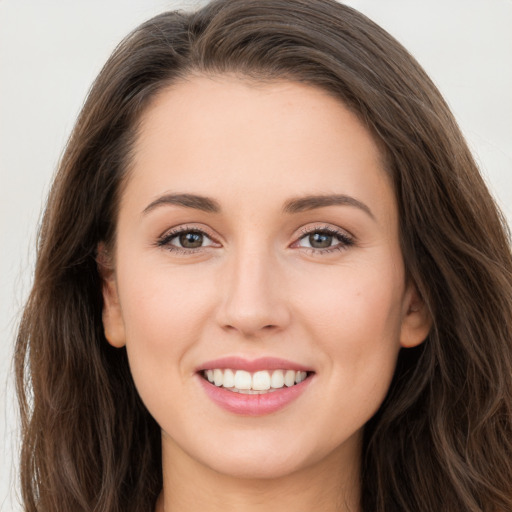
[[254, 383]]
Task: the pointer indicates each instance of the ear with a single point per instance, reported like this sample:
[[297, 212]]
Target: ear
[[113, 323], [416, 319]]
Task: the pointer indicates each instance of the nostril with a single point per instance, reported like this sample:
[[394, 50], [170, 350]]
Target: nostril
[[251, 331]]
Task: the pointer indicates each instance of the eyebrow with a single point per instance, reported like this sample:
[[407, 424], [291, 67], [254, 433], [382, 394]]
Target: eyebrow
[[303, 204], [296, 205], [187, 201]]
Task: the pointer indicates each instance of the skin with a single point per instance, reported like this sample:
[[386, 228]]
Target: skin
[[256, 289]]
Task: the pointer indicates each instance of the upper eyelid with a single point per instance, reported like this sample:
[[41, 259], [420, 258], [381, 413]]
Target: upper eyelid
[[185, 228], [307, 231], [324, 227]]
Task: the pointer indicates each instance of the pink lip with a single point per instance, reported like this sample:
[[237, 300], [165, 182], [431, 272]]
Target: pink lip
[[262, 363], [253, 405]]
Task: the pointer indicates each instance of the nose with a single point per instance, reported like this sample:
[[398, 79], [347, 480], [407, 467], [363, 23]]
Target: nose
[[254, 299]]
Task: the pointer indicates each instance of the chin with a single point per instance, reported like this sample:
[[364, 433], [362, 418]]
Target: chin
[[269, 457], [258, 466]]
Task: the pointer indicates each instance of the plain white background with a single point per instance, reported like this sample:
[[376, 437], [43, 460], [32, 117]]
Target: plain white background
[[51, 50]]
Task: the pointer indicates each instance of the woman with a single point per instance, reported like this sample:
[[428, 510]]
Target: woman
[[269, 277]]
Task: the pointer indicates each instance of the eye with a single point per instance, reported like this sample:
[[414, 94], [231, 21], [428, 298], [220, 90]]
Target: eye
[[185, 239], [324, 240], [191, 240]]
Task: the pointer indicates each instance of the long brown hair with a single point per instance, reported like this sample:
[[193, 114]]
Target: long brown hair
[[442, 440]]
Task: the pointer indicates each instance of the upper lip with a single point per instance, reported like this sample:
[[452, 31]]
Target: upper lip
[[253, 365]]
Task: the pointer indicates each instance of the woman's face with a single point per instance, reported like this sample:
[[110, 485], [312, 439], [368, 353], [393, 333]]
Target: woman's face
[[258, 238]]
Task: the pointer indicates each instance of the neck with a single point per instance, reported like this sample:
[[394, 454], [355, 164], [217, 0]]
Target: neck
[[328, 485]]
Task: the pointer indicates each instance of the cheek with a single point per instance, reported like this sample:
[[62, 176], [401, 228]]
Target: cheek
[[354, 315], [164, 312], [160, 302], [352, 302]]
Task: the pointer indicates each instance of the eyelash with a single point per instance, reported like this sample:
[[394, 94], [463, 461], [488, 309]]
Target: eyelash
[[345, 240]]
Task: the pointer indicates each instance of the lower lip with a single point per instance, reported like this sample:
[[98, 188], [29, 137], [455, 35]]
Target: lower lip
[[254, 405]]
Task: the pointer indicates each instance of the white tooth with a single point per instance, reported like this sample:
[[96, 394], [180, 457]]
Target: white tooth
[[229, 379], [277, 380], [209, 375], [218, 377], [289, 378], [300, 376], [243, 380], [261, 381]]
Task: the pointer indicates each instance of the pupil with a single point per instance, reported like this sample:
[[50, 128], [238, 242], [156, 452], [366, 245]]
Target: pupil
[[191, 240], [320, 240]]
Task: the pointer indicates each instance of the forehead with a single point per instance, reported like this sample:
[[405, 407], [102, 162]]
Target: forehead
[[225, 136]]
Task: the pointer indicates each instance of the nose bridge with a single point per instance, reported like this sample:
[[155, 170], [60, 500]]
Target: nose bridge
[[253, 300]]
